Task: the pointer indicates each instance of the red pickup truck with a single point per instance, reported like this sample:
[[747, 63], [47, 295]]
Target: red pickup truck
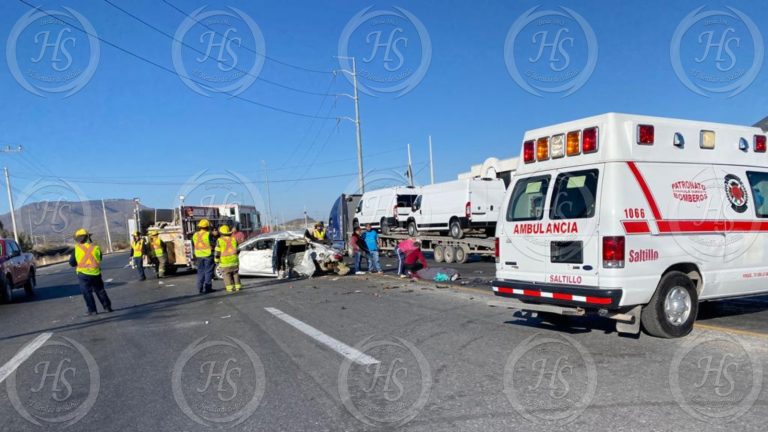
[[18, 270]]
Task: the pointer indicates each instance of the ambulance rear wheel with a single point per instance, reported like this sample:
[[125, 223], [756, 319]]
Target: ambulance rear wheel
[[450, 254], [673, 307], [439, 254]]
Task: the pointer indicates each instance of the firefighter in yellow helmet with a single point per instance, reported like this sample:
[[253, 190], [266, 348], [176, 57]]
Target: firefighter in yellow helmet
[[203, 247], [86, 258], [157, 252], [137, 247], [318, 233], [227, 259]]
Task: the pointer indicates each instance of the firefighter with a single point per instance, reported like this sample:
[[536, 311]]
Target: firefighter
[[227, 259], [86, 258], [317, 234], [157, 249], [204, 257], [137, 245]]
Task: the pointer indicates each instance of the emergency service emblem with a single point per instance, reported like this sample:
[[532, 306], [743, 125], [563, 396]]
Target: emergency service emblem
[[736, 193]]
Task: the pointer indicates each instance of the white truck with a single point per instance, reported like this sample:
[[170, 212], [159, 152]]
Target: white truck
[[635, 218], [385, 209], [458, 206]]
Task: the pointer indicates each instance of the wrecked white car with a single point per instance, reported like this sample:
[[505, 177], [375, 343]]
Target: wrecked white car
[[301, 256]]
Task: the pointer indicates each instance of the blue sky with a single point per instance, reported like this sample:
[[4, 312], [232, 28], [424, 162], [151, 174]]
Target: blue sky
[[135, 130]]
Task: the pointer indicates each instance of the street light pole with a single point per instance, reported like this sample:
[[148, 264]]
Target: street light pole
[[106, 224], [10, 203]]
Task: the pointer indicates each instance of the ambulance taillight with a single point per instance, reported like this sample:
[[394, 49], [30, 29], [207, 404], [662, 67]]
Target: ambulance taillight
[[613, 252], [645, 134], [528, 152], [760, 143], [589, 140]]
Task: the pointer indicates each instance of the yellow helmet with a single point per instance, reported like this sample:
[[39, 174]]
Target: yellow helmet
[[153, 232], [224, 229], [203, 223], [81, 232], [136, 234]]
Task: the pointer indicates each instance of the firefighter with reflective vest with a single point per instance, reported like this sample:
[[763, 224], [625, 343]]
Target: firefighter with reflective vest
[[318, 234], [86, 258], [202, 245], [157, 252], [227, 259], [137, 246]]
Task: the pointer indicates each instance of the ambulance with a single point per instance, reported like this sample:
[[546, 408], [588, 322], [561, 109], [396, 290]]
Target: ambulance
[[635, 218]]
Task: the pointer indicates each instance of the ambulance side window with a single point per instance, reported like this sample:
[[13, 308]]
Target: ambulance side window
[[758, 181], [574, 195], [527, 200]]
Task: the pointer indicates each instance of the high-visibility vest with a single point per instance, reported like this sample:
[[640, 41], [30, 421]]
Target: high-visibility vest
[[319, 234], [226, 246], [138, 248], [202, 242], [157, 246], [88, 257]]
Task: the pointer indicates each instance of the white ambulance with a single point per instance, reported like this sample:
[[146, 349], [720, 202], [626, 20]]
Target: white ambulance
[[635, 218]]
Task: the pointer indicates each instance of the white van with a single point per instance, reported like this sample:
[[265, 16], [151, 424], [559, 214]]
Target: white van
[[458, 206], [385, 208], [635, 218]]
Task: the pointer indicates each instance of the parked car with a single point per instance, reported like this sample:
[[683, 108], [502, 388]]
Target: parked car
[[458, 206], [304, 257], [18, 269], [386, 208]]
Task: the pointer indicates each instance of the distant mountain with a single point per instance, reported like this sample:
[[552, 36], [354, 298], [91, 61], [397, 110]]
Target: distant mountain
[[54, 222]]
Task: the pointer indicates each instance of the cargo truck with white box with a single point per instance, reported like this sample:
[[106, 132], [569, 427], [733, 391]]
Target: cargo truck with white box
[[635, 218]]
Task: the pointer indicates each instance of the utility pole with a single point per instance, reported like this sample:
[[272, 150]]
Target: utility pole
[[269, 196], [410, 166], [10, 203], [431, 163], [137, 210], [106, 224], [358, 133], [306, 221]]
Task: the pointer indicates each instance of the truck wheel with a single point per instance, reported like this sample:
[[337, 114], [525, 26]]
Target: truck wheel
[[455, 229], [450, 254], [384, 226], [413, 231], [29, 287], [439, 254], [673, 307], [7, 291], [461, 255]]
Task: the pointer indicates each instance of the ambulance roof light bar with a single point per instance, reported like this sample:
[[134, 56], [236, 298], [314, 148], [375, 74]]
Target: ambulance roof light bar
[[707, 139]]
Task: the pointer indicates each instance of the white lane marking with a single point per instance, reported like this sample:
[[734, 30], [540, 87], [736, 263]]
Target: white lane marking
[[338, 346], [23, 355]]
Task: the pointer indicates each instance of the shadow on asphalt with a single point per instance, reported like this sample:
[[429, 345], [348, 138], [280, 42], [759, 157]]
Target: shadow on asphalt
[[143, 310], [733, 307], [563, 324]]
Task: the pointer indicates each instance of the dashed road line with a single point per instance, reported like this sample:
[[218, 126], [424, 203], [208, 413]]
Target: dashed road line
[[338, 346], [23, 355]]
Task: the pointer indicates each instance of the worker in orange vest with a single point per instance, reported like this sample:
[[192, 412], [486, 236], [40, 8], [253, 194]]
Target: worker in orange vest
[[202, 244], [86, 258], [227, 259]]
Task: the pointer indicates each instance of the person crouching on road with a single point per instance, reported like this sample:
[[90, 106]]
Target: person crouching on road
[[227, 259], [372, 241], [402, 250], [86, 258], [204, 257], [415, 261], [157, 248], [359, 248], [137, 245]]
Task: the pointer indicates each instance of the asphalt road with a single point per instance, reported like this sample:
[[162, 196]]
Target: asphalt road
[[361, 353]]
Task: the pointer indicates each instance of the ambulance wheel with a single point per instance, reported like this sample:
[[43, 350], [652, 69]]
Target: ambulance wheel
[[450, 254], [461, 255], [673, 307], [413, 231], [384, 226], [439, 254], [455, 229]]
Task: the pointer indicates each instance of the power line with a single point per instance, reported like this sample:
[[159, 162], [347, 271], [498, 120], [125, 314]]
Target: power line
[[284, 63], [169, 36], [159, 66]]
